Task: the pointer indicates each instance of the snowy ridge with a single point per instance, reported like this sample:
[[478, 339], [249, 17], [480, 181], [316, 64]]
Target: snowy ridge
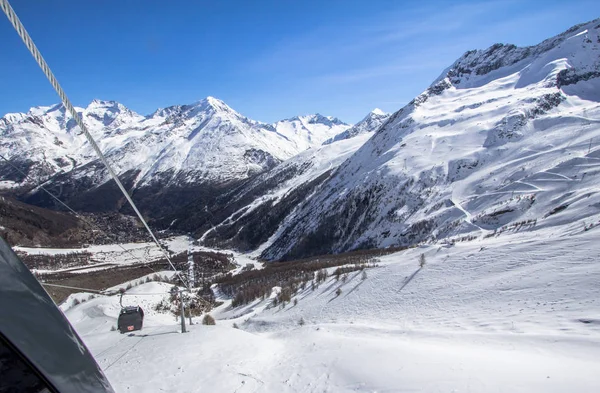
[[370, 123], [309, 131], [478, 67]]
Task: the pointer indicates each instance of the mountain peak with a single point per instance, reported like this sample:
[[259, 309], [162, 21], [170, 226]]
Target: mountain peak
[[97, 103], [476, 67], [100, 107], [371, 122], [317, 118], [212, 103], [40, 110]]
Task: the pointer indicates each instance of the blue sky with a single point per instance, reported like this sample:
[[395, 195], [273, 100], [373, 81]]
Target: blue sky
[[268, 60]]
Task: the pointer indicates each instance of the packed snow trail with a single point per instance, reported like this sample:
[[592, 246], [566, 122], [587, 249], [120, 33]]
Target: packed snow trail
[[346, 358], [468, 216]]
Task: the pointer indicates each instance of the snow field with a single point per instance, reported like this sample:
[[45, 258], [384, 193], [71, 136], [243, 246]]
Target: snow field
[[517, 313]]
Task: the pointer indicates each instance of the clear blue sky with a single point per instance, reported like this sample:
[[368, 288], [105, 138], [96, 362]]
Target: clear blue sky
[[267, 59]]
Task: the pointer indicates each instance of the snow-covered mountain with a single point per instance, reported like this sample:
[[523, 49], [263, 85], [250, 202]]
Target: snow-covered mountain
[[44, 141], [248, 216], [370, 123], [180, 146], [206, 140], [505, 138], [309, 131]]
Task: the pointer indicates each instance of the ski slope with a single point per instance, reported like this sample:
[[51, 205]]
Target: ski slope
[[515, 313]]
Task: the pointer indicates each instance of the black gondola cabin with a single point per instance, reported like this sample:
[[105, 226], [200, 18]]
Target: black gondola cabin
[[130, 319]]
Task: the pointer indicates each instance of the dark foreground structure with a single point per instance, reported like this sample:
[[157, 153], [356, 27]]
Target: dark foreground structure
[[40, 352]]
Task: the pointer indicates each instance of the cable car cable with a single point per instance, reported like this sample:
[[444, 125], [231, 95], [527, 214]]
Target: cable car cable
[[14, 20]]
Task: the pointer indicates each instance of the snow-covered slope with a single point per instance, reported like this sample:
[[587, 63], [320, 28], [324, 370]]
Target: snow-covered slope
[[251, 215], [370, 123], [309, 131], [469, 320], [506, 136]]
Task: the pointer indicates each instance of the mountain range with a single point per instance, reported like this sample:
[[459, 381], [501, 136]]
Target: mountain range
[[504, 139], [206, 140]]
